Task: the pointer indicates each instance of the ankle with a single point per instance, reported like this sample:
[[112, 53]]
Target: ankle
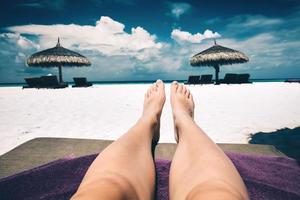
[[182, 121], [182, 117], [151, 120]]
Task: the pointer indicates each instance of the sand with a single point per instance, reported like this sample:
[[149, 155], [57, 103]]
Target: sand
[[227, 113]]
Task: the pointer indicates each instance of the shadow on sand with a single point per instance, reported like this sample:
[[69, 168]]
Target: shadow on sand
[[285, 140]]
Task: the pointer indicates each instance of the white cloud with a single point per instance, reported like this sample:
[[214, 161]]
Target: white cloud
[[45, 4], [107, 37], [208, 34], [20, 58], [114, 53], [264, 50], [178, 9], [14, 49], [246, 22], [22, 42], [184, 36], [137, 55], [262, 22], [124, 2]]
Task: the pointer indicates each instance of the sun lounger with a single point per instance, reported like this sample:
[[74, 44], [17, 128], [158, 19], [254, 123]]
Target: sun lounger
[[64, 175], [52, 82], [292, 81], [235, 78], [206, 79], [229, 79], [265, 177], [34, 82], [243, 78], [40, 151], [193, 80], [81, 82]]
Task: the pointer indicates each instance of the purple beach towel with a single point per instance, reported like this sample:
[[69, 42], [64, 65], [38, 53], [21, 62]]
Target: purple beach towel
[[266, 177]]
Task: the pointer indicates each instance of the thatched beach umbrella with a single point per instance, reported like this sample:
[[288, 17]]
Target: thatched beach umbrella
[[218, 55], [57, 56]]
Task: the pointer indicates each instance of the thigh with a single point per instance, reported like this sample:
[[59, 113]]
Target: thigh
[[213, 190], [112, 187]]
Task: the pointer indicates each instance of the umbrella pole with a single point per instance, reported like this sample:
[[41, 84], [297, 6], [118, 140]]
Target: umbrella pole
[[60, 74], [217, 68]]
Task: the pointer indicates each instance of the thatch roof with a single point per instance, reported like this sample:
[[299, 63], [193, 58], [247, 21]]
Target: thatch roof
[[57, 56], [218, 55]]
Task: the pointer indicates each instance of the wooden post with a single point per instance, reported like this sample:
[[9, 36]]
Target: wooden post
[[217, 68], [60, 74]]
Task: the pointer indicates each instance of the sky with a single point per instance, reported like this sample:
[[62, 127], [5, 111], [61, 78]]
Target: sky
[[133, 40]]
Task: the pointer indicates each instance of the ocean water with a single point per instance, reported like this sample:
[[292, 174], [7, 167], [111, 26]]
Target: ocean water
[[134, 82]]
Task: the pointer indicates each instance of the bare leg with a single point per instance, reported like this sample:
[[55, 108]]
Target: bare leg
[[200, 169], [125, 169]]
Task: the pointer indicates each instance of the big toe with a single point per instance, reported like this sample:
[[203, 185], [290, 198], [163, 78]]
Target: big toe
[[158, 81], [161, 89], [160, 84]]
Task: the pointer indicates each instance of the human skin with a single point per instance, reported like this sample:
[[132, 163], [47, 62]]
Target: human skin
[[199, 170], [125, 169]]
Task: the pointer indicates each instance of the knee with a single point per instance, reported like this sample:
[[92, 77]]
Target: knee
[[112, 186], [120, 186], [213, 190]]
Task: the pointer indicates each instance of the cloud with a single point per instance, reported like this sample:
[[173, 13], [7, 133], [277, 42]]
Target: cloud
[[107, 37], [251, 21], [247, 21], [45, 4], [31, 5], [117, 54], [178, 9], [123, 2], [14, 49], [265, 51], [114, 53], [251, 25], [270, 42], [184, 36], [20, 41]]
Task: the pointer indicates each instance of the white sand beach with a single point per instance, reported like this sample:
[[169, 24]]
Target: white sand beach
[[228, 113]]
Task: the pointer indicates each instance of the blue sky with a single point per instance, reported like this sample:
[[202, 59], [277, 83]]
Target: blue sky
[[146, 40]]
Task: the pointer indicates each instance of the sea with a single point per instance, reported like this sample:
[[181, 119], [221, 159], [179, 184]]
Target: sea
[[138, 82]]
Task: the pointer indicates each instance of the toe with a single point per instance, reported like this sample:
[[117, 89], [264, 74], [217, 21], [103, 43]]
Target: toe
[[187, 93], [149, 92], [174, 86], [154, 87], [160, 84], [184, 90], [191, 98], [179, 89]]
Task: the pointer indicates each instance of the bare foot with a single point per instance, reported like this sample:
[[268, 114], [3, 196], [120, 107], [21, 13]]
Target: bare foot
[[182, 105], [153, 104]]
